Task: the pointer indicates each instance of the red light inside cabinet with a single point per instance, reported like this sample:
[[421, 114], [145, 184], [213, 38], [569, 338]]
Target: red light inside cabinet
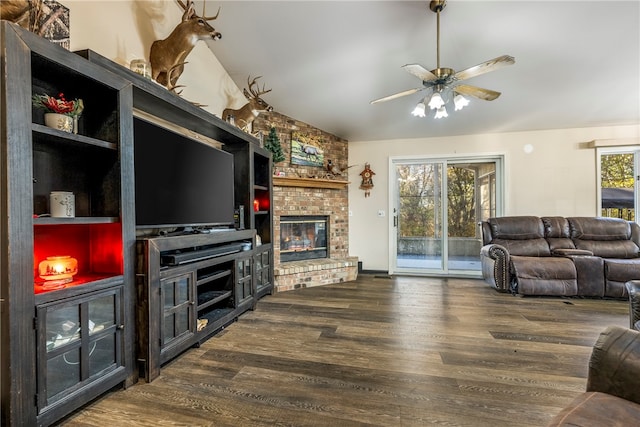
[[261, 204], [97, 249]]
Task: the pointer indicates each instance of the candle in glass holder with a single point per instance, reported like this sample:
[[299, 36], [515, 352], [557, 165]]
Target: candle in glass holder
[[58, 268]]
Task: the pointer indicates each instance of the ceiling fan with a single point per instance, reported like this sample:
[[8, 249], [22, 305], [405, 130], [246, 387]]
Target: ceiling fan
[[443, 82]]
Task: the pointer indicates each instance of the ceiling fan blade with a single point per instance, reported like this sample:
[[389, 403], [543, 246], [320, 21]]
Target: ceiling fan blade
[[477, 92], [485, 67], [420, 72], [398, 95]]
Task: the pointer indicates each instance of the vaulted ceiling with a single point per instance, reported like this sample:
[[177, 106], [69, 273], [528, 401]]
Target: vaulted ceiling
[[577, 62]]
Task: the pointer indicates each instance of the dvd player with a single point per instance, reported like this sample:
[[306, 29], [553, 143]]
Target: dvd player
[[199, 255]]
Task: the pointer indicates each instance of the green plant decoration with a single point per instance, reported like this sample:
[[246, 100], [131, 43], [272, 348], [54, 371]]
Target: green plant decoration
[[272, 143]]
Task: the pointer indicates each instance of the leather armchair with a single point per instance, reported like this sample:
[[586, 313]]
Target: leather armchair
[[504, 237], [613, 384], [633, 288]]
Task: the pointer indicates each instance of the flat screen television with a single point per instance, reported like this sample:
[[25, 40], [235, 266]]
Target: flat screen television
[[180, 182]]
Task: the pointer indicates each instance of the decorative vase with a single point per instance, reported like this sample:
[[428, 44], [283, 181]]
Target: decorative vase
[[59, 121]]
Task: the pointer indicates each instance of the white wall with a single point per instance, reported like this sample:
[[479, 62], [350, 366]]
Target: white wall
[[557, 178], [123, 30]]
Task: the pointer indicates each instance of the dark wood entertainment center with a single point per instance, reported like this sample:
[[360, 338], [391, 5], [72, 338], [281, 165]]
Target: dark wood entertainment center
[[136, 301]]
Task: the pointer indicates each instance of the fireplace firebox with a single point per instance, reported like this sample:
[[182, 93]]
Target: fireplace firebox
[[304, 237]]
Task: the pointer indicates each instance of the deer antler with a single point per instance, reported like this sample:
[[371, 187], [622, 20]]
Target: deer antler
[[204, 5], [209, 18], [252, 83]]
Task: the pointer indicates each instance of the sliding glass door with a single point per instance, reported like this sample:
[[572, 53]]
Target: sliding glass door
[[436, 206]]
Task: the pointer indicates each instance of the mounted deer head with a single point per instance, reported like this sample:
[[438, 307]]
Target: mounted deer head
[[244, 116], [16, 11], [167, 57]]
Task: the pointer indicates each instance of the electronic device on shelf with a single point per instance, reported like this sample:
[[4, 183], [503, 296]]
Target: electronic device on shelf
[[179, 181], [199, 254]]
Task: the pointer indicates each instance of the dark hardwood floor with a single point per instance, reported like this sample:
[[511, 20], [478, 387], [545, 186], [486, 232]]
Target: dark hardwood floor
[[402, 351]]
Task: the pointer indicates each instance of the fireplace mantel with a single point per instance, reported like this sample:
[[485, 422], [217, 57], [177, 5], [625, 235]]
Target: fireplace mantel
[[285, 181]]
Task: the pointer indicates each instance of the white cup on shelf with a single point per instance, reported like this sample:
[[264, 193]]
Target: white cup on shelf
[[63, 204]]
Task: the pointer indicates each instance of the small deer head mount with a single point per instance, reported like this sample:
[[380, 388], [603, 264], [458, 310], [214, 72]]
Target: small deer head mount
[[167, 57], [244, 116]]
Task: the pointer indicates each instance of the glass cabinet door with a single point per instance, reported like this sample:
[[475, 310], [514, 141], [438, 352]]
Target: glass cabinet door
[[79, 341], [244, 284], [262, 269], [177, 308]]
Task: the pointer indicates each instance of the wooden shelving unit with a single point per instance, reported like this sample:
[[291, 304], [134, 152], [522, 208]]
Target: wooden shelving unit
[[64, 345]]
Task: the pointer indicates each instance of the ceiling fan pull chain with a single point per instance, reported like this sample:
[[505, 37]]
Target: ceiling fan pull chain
[[438, 39]]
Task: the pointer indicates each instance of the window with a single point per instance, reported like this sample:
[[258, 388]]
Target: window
[[617, 170]]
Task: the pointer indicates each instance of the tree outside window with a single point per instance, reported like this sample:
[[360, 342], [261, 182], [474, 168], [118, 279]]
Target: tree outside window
[[617, 185]]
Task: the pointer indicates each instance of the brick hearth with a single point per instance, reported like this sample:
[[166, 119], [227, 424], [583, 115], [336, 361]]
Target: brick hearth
[[309, 200], [297, 274]]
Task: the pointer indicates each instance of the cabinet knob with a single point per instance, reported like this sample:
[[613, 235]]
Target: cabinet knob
[[120, 327]]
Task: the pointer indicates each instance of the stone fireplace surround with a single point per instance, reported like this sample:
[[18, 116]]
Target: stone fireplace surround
[[331, 200]]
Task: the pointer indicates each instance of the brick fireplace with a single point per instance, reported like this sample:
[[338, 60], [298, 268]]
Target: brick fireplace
[[301, 194]]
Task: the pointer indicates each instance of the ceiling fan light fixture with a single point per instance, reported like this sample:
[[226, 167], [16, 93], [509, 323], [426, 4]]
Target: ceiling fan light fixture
[[441, 112], [460, 102], [442, 83], [419, 111], [436, 101]]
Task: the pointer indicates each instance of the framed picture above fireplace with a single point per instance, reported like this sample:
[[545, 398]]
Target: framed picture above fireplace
[[306, 151]]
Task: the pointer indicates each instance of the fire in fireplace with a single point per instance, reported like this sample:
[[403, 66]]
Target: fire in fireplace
[[303, 237]]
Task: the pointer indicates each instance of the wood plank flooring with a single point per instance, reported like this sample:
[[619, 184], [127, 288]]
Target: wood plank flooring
[[378, 351]]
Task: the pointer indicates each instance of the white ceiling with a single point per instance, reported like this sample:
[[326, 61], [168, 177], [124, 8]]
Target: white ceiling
[[577, 62]]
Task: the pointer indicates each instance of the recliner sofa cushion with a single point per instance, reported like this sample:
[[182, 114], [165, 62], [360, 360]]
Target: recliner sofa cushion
[[605, 237], [556, 226], [532, 247], [516, 227], [548, 276], [557, 232], [587, 228], [617, 272], [521, 235], [622, 270], [609, 249]]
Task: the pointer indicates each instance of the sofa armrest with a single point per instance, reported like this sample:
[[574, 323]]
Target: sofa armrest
[[571, 252], [614, 367], [494, 260], [633, 288]]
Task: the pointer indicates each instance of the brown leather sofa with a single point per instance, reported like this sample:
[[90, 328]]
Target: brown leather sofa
[[612, 397], [574, 256]]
